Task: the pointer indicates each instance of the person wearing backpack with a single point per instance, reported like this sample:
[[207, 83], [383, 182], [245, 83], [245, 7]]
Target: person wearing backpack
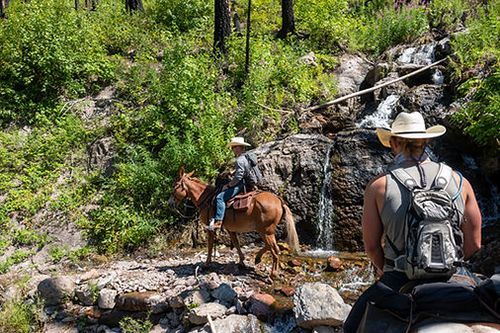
[[246, 178], [420, 218]]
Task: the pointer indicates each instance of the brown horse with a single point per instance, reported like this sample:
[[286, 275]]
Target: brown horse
[[264, 214]]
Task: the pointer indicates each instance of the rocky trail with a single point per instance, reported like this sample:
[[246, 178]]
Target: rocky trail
[[178, 293]]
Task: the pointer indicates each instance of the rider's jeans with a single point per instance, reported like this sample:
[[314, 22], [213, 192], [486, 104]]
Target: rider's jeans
[[223, 197]]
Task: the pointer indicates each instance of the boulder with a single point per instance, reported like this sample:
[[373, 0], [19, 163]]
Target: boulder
[[311, 310], [234, 324], [199, 315], [261, 305], [142, 301], [56, 290], [225, 294], [106, 298]]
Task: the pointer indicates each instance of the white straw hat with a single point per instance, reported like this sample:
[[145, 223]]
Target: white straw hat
[[238, 141], [410, 126]]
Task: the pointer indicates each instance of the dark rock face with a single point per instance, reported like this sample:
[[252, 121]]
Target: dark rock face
[[293, 169], [357, 158]]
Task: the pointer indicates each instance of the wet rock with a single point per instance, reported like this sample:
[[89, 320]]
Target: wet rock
[[106, 298], [199, 315], [56, 290], [333, 263], [261, 305], [311, 310], [352, 149], [293, 168], [288, 291]]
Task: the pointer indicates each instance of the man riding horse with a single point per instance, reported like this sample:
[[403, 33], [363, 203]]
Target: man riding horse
[[242, 180]]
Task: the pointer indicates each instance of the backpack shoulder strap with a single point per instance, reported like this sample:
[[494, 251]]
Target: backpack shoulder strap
[[404, 178], [443, 177]]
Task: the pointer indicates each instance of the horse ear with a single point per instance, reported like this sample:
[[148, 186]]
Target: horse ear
[[190, 174], [181, 171]]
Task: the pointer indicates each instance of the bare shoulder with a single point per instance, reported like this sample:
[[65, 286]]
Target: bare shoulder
[[377, 184]]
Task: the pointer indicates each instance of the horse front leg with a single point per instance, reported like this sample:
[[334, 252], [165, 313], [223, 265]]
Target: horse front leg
[[210, 242], [236, 243]]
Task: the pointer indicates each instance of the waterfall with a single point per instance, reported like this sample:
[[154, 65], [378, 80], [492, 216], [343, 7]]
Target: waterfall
[[380, 118], [325, 207]]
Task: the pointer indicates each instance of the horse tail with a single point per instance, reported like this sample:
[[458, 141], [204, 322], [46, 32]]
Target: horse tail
[[292, 238]]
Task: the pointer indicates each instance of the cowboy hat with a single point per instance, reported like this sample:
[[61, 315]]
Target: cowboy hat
[[238, 141], [410, 126]]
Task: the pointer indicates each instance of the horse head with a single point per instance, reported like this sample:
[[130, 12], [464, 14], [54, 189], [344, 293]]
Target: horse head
[[180, 190]]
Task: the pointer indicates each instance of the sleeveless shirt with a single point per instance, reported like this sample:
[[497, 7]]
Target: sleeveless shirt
[[397, 199]]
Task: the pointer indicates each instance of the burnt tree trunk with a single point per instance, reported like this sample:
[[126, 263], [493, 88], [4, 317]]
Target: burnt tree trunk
[[287, 18], [222, 27], [89, 4], [3, 6], [133, 5]]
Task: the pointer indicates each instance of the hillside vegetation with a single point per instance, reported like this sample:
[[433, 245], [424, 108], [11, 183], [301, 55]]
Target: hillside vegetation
[[177, 103]]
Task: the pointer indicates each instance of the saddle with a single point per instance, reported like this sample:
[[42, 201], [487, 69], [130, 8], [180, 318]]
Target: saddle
[[241, 201]]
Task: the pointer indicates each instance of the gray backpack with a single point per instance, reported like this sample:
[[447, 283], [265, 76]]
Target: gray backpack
[[432, 229], [254, 176]]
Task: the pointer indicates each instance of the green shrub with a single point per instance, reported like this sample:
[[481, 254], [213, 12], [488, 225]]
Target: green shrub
[[278, 80], [183, 15], [135, 36], [479, 50], [387, 28], [47, 50], [130, 325], [326, 22], [446, 14], [17, 316]]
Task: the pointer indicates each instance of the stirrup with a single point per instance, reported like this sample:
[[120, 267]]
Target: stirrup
[[214, 225]]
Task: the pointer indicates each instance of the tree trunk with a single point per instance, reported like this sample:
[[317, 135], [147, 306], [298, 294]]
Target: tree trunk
[[222, 27], [133, 5], [3, 6], [288, 18], [236, 19]]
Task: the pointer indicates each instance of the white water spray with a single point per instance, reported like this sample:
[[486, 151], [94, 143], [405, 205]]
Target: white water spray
[[325, 209], [380, 118]]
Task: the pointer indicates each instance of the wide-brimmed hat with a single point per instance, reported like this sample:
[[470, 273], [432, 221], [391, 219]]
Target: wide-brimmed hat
[[238, 141], [410, 126]]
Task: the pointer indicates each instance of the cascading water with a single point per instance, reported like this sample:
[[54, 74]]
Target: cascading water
[[325, 209], [380, 118]]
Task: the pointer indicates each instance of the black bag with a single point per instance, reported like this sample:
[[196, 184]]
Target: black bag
[[254, 176]]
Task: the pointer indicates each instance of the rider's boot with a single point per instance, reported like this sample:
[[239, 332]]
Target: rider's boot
[[214, 225]]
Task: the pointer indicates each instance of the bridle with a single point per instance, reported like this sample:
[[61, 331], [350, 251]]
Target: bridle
[[187, 204]]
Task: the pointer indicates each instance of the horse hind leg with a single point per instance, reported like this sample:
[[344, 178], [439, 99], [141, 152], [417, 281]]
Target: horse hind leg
[[258, 256], [236, 243], [270, 240]]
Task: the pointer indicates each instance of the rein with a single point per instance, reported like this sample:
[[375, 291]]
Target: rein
[[183, 215]]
